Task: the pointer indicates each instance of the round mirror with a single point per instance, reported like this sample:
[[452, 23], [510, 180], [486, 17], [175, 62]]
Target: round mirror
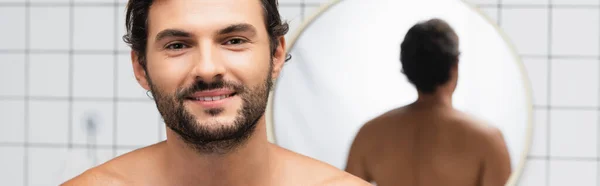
[[345, 70]]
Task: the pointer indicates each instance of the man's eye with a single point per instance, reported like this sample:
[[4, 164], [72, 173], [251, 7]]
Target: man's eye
[[176, 46], [235, 41]]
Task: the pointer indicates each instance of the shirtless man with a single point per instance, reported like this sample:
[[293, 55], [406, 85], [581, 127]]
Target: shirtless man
[[209, 65], [428, 143]]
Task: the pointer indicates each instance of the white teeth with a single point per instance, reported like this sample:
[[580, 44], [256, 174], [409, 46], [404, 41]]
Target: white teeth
[[214, 98]]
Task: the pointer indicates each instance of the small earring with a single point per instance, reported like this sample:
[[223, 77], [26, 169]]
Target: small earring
[[149, 94]]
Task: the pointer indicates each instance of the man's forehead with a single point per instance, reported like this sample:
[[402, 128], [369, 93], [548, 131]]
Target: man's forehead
[[204, 17], [206, 11]]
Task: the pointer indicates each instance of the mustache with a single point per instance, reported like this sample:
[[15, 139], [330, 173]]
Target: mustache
[[203, 86]]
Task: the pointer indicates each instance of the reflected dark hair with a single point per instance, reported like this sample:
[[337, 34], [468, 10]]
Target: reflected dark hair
[[428, 52], [136, 23]]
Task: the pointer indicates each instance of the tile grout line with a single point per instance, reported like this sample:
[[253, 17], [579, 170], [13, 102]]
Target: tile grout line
[[549, 93], [499, 13], [302, 9], [26, 102], [71, 71], [115, 80]]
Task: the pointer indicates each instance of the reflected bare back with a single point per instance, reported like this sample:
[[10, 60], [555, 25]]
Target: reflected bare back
[[428, 146]]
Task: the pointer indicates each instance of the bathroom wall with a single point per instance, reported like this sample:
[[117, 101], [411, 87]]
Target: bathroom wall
[[68, 99], [558, 41]]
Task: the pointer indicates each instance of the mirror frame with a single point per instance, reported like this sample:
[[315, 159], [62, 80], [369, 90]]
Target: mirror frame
[[516, 172]]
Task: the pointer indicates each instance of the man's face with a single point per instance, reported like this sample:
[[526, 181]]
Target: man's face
[[209, 67]]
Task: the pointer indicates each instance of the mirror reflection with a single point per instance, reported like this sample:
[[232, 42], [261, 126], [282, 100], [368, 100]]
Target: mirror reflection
[[405, 92]]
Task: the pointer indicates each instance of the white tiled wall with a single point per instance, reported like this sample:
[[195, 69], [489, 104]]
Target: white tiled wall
[[77, 70], [566, 33], [558, 41], [68, 91]]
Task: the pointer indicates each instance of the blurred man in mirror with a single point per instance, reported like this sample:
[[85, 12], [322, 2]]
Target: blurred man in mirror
[[209, 65], [429, 143]]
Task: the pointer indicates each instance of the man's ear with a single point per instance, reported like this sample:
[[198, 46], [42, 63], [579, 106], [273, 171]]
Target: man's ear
[[139, 71], [279, 57]]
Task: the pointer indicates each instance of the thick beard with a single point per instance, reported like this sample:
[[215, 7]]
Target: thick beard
[[211, 137]]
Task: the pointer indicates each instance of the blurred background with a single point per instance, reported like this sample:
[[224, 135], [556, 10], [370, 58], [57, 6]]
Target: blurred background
[[69, 101]]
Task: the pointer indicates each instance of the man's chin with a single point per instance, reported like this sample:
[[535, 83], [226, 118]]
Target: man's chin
[[215, 124]]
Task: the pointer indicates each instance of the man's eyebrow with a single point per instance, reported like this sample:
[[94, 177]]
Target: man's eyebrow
[[241, 27], [172, 33]]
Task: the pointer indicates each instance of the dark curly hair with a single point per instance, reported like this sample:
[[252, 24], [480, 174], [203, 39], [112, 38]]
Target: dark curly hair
[[137, 28], [428, 52]]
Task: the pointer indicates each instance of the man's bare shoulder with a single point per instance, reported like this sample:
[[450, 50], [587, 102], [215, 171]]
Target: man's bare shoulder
[[298, 168], [344, 179], [115, 172], [384, 121], [475, 124], [485, 133], [98, 176]]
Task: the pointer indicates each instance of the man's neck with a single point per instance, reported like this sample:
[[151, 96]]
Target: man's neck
[[438, 99], [248, 164]]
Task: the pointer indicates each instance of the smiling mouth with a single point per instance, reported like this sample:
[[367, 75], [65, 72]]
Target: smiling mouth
[[211, 98]]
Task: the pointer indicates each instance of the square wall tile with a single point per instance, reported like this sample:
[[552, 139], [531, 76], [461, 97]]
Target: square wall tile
[[540, 134], [93, 76], [92, 123], [534, 173], [575, 2], [46, 166], [527, 28], [127, 85], [94, 28], [574, 82], [12, 74], [574, 133], [537, 72], [49, 75], [49, 28], [579, 173], [572, 33], [48, 122], [491, 13], [292, 15], [137, 123], [12, 121], [12, 20], [12, 165]]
